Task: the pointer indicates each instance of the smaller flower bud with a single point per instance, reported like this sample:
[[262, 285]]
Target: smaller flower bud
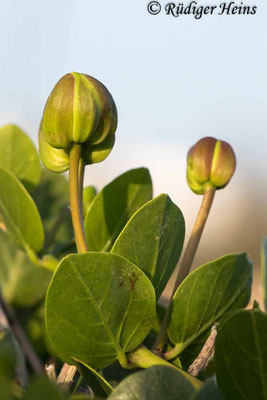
[[210, 163]]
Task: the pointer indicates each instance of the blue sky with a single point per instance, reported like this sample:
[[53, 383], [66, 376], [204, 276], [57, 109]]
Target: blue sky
[[174, 80]]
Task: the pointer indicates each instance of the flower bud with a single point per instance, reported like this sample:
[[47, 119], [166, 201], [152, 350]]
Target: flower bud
[[79, 110], [210, 163]]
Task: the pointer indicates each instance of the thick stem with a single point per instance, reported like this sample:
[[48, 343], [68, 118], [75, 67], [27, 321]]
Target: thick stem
[[76, 176], [188, 258], [80, 183], [144, 358], [75, 198]]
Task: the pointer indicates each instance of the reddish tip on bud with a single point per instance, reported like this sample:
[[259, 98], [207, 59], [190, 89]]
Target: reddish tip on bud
[[210, 163]]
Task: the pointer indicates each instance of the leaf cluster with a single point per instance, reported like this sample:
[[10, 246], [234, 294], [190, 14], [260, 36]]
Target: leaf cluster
[[101, 311]]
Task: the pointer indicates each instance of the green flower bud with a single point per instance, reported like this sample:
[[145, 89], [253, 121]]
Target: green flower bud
[[79, 110], [210, 163]]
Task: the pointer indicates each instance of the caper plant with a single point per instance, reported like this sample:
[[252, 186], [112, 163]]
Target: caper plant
[[82, 272]]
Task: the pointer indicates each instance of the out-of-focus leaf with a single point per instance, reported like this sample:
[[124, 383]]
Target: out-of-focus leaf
[[241, 356], [42, 389], [153, 239], [52, 199], [22, 282], [206, 295], [10, 355], [114, 205], [20, 215], [98, 306], [19, 155]]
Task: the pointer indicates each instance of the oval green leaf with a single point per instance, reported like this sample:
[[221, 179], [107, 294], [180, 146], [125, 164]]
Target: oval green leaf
[[21, 217], [114, 205], [19, 155], [98, 307], [206, 295], [22, 282], [157, 383], [153, 239], [240, 356]]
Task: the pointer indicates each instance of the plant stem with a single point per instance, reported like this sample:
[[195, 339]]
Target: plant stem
[[80, 183], [195, 237], [79, 381], [144, 358], [76, 176], [27, 349], [188, 258], [76, 182]]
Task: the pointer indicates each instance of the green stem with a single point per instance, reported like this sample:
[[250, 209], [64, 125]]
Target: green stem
[[76, 172], [144, 358], [188, 258], [79, 381], [80, 183], [195, 237], [76, 175]]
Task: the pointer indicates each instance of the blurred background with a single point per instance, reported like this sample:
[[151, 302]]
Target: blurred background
[[174, 81]]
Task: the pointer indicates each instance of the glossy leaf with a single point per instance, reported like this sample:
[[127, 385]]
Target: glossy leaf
[[89, 193], [157, 383], [22, 282], [153, 239], [52, 199], [264, 270], [20, 215], [98, 307], [208, 392], [19, 155], [206, 295], [94, 379], [114, 205], [241, 356]]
